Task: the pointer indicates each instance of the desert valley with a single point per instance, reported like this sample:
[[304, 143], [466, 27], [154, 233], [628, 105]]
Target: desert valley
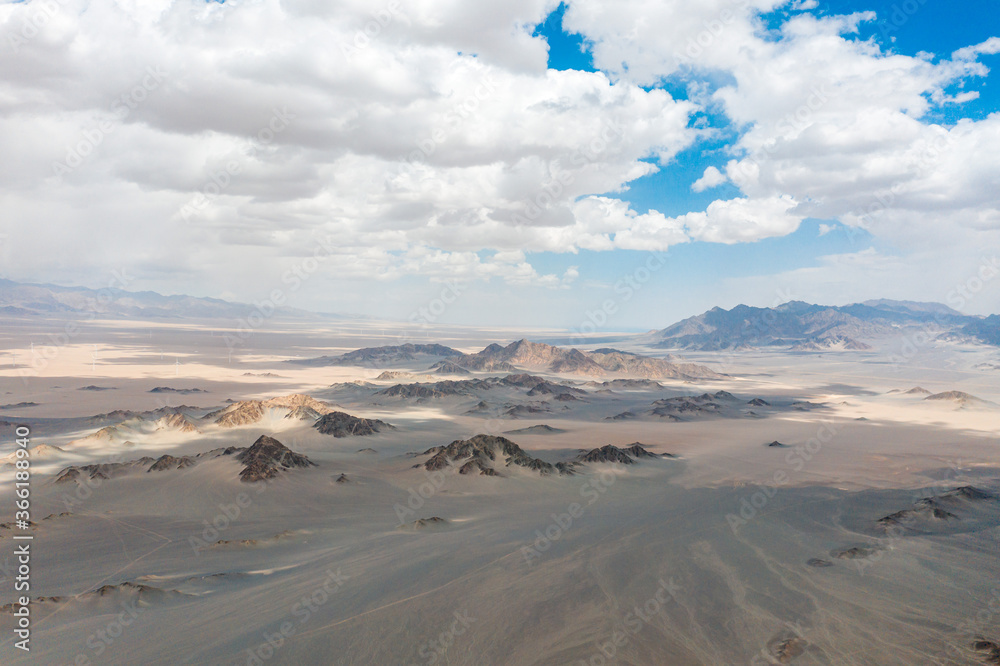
[[353, 492]]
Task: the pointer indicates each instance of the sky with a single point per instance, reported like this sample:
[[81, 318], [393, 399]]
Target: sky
[[587, 165]]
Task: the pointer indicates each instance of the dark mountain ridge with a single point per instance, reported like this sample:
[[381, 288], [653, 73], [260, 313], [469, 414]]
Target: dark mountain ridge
[[815, 326]]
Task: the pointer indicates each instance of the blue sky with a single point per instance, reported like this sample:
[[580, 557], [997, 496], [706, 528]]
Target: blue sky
[[938, 28]]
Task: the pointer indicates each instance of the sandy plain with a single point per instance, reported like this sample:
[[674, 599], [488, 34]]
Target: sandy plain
[[729, 552]]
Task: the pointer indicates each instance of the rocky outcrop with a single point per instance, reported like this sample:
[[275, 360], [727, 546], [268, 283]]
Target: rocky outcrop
[[636, 365], [182, 391], [170, 462], [145, 464], [239, 414], [341, 424], [625, 455], [928, 514], [303, 413], [102, 471], [448, 368], [606, 454], [178, 422], [267, 458], [299, 400], [527, 354], [425, 523], [483, 454], [961, 399]]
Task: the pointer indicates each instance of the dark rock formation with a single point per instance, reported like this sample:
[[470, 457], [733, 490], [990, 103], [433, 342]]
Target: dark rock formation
[[638, 450], [341, 424], [541, 429], [448, 368], [482, 454], [170, 462], [183, 391], [267, 458], [425, 523], [605, 454]]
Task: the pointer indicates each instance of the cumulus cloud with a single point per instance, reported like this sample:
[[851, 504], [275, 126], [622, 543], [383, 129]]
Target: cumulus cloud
[[206, 142], [711, 178], [148, 129]]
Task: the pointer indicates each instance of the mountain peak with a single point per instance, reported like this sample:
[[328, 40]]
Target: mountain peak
[[267, 458], [805, 326]]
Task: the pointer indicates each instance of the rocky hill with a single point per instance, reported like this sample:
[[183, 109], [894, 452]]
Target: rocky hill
[[483, 454], [267, 458], [525, 354], [341, 424]]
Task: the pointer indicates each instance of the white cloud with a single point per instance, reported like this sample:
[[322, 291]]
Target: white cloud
[[430, 140], [990, 47], [711, 178], [393, 141], [743, 220]]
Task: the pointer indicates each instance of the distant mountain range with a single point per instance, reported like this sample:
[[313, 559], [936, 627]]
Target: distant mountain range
[[985, 330], [18, 298], [797, 325], [806, 327]]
